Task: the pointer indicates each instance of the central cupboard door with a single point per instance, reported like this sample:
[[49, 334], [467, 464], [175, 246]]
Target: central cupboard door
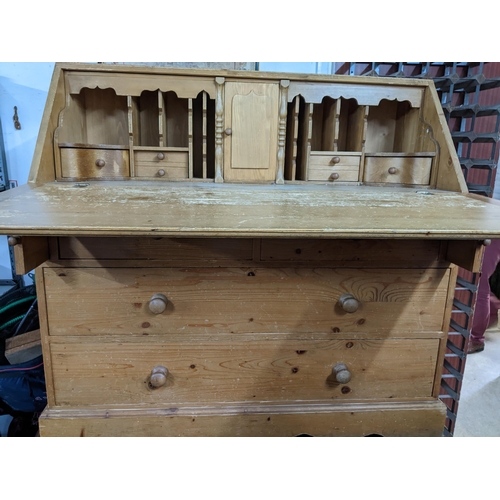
[[251, 131]]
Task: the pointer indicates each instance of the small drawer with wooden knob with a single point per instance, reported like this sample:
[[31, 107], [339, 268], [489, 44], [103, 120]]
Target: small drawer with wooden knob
[[87, 163], [164, 164], [402, 169], [333, 167]]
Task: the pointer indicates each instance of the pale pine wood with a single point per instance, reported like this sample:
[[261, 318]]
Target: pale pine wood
[[398, 169], [251, 113], [419, 419], [280, 165], [21, 342], [29, 253], [81, 163], [208, 210], [330, 125], [321, 167], [44, 164], [246, 309], [305, 141], [105, 373], [292, 141], [219, 124], [370, 95], [358, 253], [175, 164], [448, 173], [156, 249], [231, 300]]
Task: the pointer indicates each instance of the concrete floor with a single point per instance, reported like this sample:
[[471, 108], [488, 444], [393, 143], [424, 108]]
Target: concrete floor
[[479, 406]]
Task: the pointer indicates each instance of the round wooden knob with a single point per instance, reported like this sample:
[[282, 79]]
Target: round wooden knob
[[158, 303], [158, 376], [13, 241], [348, 303], [486, 243], [393, 170], [341, 373], [160, 156], [228, 131], [334, 176], [335, 160], [161, 172], [100, 163]]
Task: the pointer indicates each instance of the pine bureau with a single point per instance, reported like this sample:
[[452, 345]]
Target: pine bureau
[[243, 254]]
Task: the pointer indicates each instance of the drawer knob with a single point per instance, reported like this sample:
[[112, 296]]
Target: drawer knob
[[486, 243], [13, 241], [228, 131], [341, 373], [335, 160], [158, 376], [348, 303], [100, 163], [160, 156], [161, 172], [333, 177], [393, 170], [158, 303]]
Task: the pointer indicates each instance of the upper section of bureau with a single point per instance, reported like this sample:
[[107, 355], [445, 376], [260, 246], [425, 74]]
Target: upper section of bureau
[[123, 123]]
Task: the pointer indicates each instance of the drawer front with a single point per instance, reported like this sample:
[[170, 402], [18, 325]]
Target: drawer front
[[381, 253], [94, 163], [100, 373], [333, 167], [162, 249], [161, 164], [398, 170], [212, 301]]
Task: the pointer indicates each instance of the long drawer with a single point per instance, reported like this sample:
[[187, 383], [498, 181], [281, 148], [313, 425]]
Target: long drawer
[[238, 370], [208, 301]]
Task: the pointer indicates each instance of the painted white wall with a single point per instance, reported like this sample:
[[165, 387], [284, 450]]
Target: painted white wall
[[24, 85]]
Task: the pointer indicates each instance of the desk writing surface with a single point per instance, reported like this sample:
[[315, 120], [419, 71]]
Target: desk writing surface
[[121, 208]]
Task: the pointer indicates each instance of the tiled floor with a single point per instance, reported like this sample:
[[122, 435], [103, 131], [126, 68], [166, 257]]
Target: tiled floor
[[479, 407]]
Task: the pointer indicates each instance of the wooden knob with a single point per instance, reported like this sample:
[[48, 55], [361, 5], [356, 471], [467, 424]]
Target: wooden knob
[[348, 303], [393, 170], [341, 373], [335, 160], [161, 172], [160, 156], [158, 376], [334, 176], [100, 163], [486, 243], [13, 241], [158, 303], [228, 131]]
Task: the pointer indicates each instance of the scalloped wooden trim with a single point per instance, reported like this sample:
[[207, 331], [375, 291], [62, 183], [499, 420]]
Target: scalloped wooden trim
[[365, 95]]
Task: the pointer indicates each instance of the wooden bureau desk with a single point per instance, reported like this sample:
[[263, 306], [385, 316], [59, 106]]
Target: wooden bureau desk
[[243, 254]]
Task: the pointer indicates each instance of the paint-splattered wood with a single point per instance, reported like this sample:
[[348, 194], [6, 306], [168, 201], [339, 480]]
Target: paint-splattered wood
[[212, 210]]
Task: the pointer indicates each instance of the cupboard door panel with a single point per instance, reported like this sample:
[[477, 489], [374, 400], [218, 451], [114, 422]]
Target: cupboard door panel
[[251, 131]]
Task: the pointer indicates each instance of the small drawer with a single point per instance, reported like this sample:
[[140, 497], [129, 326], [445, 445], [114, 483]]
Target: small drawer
[[162, 164], [94, 163], [171, 250], [333, 167], [398, 169], [242, 370]]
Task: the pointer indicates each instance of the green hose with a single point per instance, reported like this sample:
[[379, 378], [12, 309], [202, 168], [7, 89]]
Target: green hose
[[16, 303], [11, 322]]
